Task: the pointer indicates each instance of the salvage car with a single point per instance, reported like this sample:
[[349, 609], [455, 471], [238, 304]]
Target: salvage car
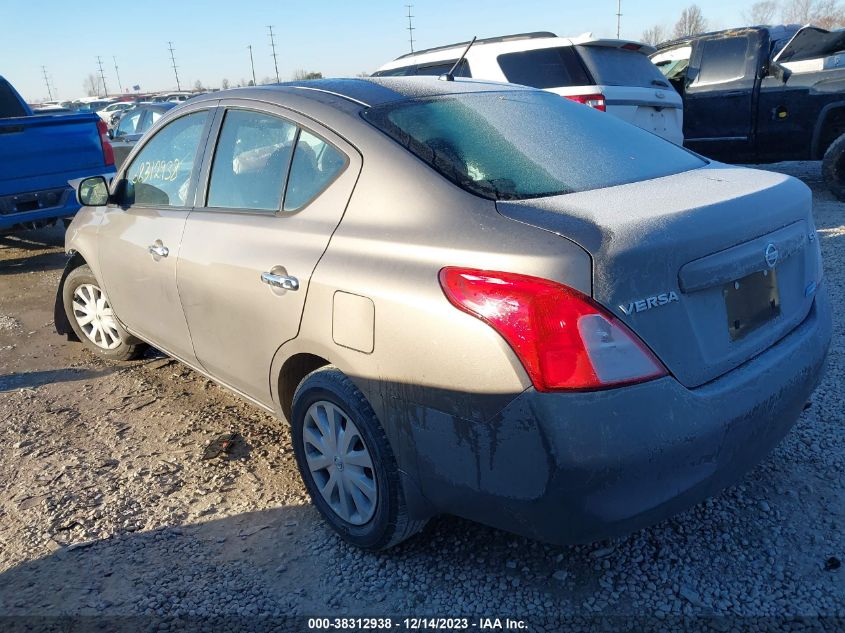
[[465, 297], [611, 75], [763, 94]]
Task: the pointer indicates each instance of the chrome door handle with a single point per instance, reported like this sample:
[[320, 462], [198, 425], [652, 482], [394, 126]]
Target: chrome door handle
[[159, 250], [285, 282]]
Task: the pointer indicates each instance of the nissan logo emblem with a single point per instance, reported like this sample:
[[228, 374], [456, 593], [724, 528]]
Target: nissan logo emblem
[[771, 255]]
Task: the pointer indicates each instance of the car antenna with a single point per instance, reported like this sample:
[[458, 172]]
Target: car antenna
[[450, 76]]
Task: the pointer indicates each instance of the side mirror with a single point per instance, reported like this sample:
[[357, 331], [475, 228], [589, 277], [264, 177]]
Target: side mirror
[[779, 72], [93, 192], [111, 134]]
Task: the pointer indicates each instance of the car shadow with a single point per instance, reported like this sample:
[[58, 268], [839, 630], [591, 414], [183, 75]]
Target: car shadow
[[32, 379], [39, 239], [32, 263]]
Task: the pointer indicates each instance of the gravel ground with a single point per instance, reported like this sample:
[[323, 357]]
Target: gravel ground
[[108, 509]]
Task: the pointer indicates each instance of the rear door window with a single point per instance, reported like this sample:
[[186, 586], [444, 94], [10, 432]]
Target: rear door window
[[315, 165], [441, 68], [251, 161], [545, 68], [611, 66], [396, 72], [722, 60], [160, 174]]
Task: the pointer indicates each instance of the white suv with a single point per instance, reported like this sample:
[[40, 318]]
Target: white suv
[[615, 76]]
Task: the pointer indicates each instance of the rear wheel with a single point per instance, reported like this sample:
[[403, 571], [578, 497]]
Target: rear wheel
[[346, 462], [833, 167], [92, 319]]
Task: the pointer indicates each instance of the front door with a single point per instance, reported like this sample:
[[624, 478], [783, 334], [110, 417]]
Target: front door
[[718, 112], [140, 234], [276, 190]]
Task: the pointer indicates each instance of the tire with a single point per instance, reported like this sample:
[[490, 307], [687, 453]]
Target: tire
[[833, 168], [103, 335], [376, 523]]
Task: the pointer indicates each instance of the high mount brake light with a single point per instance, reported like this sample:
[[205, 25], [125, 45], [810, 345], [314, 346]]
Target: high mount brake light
[[594, 101], [108, 150], [564, 339]]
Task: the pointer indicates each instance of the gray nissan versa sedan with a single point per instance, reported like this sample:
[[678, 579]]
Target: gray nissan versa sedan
[[465, 297]]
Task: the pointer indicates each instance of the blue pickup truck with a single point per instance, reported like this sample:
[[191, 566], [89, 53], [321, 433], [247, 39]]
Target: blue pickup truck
[[40, 155]]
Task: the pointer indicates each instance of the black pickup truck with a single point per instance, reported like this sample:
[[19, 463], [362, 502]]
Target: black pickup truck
[[763, 94]]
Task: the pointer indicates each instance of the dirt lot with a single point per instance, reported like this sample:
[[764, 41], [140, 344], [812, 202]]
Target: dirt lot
[[108, 509]]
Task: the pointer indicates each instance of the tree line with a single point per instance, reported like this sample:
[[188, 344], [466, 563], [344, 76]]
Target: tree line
[[827, 14]]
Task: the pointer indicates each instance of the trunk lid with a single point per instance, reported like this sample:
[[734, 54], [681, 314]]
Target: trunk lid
[[668, 253]]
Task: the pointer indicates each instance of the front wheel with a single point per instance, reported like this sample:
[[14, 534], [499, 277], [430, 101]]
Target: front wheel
[[833, 168], [92, 319], [346, 462]]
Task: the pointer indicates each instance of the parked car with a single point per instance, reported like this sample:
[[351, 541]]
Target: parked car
[[40, 155], [763, 94], [465, 297], [132, 125], [615, 76], [113, 108]]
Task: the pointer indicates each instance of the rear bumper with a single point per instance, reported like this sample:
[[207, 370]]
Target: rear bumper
[[41, 203], [570, 468]]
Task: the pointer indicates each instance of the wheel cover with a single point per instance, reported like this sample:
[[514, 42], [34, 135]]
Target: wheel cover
[[94, 316], [340, 462]]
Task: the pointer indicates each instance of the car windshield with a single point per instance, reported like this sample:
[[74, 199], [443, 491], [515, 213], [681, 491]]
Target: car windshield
[[527, 144]]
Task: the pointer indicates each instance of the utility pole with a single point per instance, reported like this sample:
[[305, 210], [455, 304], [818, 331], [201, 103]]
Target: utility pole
[[618, 18], [47, 81], [275, 62], [252, 64], [410, 26], [102, 76], [119, 83], [173, 61]]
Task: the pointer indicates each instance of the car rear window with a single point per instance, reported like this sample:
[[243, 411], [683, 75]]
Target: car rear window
[[544, 68], [620, 67], [9, 104], [526, 144]]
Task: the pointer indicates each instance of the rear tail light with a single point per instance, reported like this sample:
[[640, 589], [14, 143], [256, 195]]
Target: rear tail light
[[108, 150], [564, 339], [594, 101]]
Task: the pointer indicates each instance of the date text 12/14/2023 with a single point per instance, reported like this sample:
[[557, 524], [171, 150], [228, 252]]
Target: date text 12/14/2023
[[417, 624]]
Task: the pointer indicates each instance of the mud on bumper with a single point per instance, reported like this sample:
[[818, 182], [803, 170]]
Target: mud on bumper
[[572, 468]]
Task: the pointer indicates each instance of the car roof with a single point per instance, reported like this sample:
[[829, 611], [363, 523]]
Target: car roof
[[364, 92], [511, 44], [776, 32]]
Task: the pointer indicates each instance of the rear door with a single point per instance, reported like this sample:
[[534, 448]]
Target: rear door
[[719, 99], [139, 237], [276, 189]]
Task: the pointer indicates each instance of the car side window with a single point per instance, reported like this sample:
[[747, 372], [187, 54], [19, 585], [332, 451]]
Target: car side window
[[161, 172], [441, 68], [315, 165], [251, 161], [129, 123], [722, 60]]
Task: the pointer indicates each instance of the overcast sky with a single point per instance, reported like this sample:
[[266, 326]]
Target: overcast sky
[[336, 38]]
